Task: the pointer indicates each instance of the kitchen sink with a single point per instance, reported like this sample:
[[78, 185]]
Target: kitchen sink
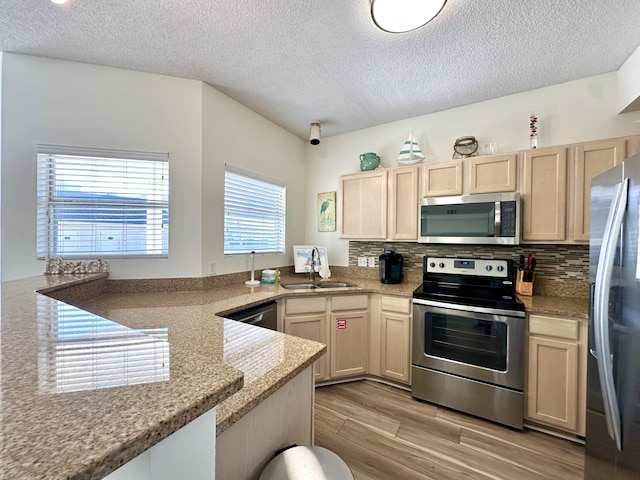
[[335, 285], [299, 286], [311, 286]]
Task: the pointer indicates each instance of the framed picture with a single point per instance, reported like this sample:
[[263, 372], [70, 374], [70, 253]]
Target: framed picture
[[327, 212], [302, 257]]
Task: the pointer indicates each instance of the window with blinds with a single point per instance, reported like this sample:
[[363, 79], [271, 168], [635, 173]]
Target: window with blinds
[[254, 213], [103, 203]]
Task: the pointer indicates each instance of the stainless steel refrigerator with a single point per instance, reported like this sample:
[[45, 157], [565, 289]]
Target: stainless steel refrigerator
[[613, 368]]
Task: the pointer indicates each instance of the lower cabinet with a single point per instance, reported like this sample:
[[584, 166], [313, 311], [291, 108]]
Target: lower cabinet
[[339, 321], [306, 317], [395, 338], [556, 385], [364, 334], [349, 335]]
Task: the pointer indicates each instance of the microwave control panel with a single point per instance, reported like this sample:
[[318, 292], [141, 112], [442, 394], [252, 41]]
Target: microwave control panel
[[508, 219]]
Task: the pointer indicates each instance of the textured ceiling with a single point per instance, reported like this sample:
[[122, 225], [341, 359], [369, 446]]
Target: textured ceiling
[[295, 61]]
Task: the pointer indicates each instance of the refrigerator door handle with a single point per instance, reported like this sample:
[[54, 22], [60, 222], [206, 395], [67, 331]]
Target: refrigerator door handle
[[601, 311]]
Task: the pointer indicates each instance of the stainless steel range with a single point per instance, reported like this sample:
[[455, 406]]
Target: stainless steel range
[[469, 338]]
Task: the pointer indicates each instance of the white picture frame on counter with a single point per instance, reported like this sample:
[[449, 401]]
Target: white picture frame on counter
[[302, 257]]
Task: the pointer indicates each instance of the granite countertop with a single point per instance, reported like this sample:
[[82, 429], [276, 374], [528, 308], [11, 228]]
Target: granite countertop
[[261, 377], [574, 307], [82, 394]]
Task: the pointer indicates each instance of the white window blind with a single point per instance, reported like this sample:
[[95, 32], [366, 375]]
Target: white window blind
[[102, 203], [254, 214]]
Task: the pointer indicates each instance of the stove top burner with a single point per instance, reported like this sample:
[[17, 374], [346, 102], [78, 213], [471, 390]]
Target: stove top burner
[[466, 281]]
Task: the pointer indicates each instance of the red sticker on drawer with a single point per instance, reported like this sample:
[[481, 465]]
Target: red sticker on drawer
[[341, 324]]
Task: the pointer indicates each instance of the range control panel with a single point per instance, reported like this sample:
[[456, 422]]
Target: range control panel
[[468, 266]]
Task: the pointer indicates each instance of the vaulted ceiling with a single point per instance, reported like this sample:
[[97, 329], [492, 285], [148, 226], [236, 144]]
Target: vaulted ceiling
[[297, 61]]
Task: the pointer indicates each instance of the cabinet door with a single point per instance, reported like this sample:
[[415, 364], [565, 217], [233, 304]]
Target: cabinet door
[[311, 327], [362, 205], [493, 174], [590, 160], [403, 203], [441, 179], [395, 359], [544, 194], [349, 342], [552, 395]]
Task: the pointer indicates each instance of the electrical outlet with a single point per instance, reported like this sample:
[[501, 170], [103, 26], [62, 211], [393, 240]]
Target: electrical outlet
[[372, 261], [212, 268], [362, 261]]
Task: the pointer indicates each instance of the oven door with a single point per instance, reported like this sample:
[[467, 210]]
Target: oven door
[[473, 342]]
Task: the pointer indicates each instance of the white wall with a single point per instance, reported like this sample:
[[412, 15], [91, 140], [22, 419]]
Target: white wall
[[68, 103], [629, 83], [238, 136], [571, 112]]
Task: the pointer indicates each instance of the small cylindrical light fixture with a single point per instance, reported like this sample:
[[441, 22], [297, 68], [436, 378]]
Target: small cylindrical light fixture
[[59, 2], [314, 133], [399, 16]]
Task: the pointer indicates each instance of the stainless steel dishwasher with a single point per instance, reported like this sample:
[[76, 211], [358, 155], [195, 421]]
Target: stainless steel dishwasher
[[264, 315]]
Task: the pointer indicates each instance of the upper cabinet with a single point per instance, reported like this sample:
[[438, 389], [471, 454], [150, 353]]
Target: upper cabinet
[[362, 205], [590, 160], [379, 205], [403, 203], [544, 194], [487, 174], [441, 179], [496, 173], [555, 187]]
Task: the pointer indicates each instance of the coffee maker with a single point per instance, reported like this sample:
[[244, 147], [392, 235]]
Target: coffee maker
[[390, 266]]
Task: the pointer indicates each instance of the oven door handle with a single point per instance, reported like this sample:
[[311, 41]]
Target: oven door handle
[[469, 308]]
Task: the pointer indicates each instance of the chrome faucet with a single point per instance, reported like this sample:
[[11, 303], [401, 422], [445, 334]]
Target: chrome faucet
[[315, 262]]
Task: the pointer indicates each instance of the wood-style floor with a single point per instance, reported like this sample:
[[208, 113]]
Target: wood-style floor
[[383, 434]]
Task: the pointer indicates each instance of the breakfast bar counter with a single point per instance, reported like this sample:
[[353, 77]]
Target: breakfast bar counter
[[83, 393]]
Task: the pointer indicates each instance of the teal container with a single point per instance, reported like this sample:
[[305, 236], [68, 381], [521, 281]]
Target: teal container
[[369, 161]]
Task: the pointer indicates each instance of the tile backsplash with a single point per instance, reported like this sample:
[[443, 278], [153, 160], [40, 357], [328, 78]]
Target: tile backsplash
[[556, 264]]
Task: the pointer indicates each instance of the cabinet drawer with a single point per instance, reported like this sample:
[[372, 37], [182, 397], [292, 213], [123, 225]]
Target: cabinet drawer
[[349, 302], [295, 306], [554, 327], [395, 304]]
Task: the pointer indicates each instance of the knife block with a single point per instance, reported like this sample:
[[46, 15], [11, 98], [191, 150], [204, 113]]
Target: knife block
[[522, 287]]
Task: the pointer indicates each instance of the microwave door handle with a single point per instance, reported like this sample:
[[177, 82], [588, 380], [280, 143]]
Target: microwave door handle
[[604, 274], [498, 215]]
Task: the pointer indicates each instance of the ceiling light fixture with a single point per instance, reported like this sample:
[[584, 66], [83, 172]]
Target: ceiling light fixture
[[399, 16], [59, 2]]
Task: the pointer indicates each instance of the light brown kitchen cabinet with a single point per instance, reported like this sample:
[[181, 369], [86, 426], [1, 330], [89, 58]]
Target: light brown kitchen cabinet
[[544, 194], [349, 326], [496, 173], [379, 205], [441, 179], [362, 205], [306, 317], [556, 384], [395, 338], [590, 160], [403, 203]]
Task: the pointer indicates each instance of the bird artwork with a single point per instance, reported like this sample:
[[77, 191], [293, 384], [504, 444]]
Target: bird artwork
[[325, 206], [327, 213]]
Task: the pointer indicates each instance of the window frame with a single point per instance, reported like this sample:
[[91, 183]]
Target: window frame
[[243, 199], [142, 198]]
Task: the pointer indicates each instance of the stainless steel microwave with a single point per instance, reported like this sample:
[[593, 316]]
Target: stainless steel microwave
[[487, 219]]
